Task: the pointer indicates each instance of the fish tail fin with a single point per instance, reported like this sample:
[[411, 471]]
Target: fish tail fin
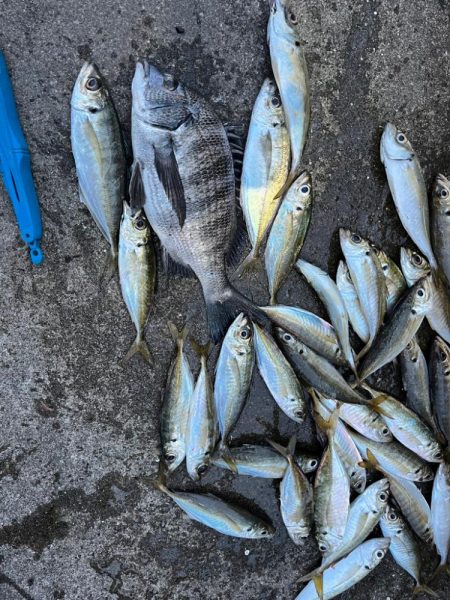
[[161, 479], [371, 462], [250, 263], [287, 452], [328, 425], [318, 582], [201, 350], [109, 269], [225, 453], [424, 589], [442, 568], [139, 346], [226, 307], [310, 575], [178, 336], [377, 400]]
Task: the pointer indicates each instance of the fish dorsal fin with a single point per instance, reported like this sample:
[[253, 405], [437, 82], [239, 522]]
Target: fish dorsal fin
[[167, 169], [235, 135], [239, 239]]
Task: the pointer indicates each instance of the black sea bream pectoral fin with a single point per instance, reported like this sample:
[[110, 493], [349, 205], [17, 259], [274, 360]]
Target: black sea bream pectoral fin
[[169, 176]]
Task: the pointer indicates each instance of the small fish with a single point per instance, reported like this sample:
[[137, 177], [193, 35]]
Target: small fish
[[296, 496], [439, 367], [288, 232], [263, 461], [402, 326], [201, 432], [137, 272], [440, 515], [310, 329], [364, 513], [348, 571], [415, 381], [99, 154], [331, 297], [279, 376], [395, 281], [394, 459], [403, 547], [352, 304], [265, 168], [407, 427], [291, 74], [348, 452], [410, 500], [217, 514], [368, 279], [184, 173], [176, 401], [440, 223], [362, 419], [408, 188], [331, 492], [234, 372], [438, 317], [317, 372]]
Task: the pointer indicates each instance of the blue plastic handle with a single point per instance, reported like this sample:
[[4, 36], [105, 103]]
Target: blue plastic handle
[[15, 167]]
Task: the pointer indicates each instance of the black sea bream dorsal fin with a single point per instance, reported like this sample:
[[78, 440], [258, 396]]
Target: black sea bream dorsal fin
[[167, 169], [235, 134]]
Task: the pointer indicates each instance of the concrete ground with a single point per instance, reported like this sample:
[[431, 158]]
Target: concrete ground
[[79, 433]]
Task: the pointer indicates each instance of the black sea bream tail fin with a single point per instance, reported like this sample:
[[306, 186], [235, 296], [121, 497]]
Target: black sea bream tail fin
[[226, 307]]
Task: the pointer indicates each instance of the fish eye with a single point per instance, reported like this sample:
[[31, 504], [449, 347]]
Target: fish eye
[[169, 457], [293, 19], [304, 190], [322, 547], [201, 469], [93, 84], [275, 101], [401, 138], [170, 83], [438, 454], [420, 292], [140, 223], [385, 431], [287, 337], [442, 356], [444, 193], [244, 334], [356, 239], [379, 554], [313, 463], [383, 497], [264, 532], [392, 516], [417, 259], [299, 414]]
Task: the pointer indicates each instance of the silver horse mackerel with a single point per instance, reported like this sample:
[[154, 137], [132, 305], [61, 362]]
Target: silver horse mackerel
[[183, 166]]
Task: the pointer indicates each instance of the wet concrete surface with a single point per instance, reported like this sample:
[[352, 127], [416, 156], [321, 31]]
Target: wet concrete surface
[[79, 432]]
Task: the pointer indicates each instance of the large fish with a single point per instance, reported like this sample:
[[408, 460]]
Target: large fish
[[99, 154], [183, 166], [265, 167], [408, 188], [440, 223], [348, 571], [291, 74], [288, 232], [137, 273], [400, 329]]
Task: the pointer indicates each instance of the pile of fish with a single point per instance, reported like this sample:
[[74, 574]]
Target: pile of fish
[[182, 187]]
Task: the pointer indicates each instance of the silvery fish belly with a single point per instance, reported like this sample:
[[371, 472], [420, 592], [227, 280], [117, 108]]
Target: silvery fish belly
[[291, 74], [408, 188], [98, 152], [137, 270], [352, 304], [440, 223], [184, 168]]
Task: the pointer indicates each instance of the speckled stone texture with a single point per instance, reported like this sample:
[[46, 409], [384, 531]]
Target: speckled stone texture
[[80, 519]]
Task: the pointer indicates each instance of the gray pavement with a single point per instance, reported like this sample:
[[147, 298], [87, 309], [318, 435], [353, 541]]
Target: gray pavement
[[79, 519]]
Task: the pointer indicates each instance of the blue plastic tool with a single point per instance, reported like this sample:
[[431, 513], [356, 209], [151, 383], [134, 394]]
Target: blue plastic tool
[[15, 167]]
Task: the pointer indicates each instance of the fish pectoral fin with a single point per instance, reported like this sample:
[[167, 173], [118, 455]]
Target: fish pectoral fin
[[169, 176], [136, 187]]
